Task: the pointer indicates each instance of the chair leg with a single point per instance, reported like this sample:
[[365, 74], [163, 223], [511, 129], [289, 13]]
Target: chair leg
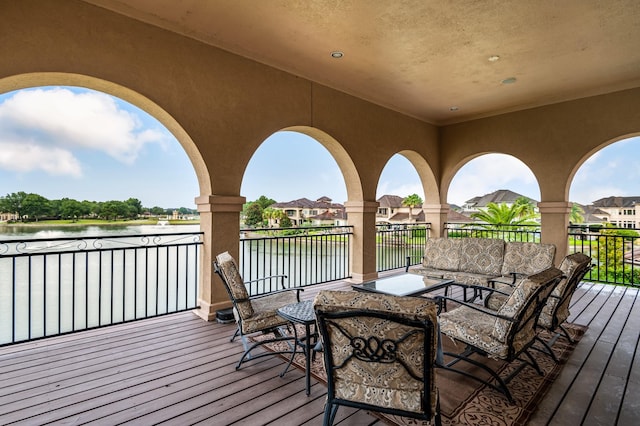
[[547, 348], [501, 385], [236, 334], [566, 334], [330, 411]]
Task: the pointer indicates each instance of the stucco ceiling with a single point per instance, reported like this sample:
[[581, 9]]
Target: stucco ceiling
[[424, 58]]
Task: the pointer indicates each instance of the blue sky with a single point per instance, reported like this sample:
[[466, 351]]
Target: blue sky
[[77, 143]]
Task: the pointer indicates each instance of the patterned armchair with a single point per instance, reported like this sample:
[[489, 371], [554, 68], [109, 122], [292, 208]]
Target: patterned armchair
[[556, 310], [254, 314], [379, 353], [506, 333]]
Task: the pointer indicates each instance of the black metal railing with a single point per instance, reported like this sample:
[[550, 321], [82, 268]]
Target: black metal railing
[[61, 285], [525, 233], [395, 243], [615, 251], [306, 255]]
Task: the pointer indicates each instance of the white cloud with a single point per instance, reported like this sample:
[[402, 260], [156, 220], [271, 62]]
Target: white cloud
[[58, 120], [489, 173], [26, 157]]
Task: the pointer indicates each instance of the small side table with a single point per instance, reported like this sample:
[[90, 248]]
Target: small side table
[[302, 313]]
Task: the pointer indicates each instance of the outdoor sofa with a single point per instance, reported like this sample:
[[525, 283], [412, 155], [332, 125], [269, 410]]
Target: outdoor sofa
[[483, 261]]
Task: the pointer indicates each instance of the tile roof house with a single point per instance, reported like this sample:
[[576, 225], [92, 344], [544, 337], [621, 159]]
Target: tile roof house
[[317, 212], [391, 210], [623, 212], [500, 196]]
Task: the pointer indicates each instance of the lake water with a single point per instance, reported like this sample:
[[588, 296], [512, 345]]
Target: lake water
[[58, 279], [12, 232]]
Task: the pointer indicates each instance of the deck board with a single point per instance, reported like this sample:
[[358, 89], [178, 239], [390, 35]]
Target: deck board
[[178, 370]]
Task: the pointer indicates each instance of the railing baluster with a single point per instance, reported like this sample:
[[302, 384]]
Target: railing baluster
[[52, 266]]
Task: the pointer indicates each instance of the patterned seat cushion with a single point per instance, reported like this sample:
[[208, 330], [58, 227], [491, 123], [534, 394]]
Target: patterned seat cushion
[[574, 266], [527, 258], [235, 284], [442, 253], [382, 384], [482, 256], [472, 327]]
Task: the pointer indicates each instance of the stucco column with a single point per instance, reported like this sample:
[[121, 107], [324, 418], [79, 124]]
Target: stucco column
[[554, 217], [436, 214], [220, 222], [362, 216]]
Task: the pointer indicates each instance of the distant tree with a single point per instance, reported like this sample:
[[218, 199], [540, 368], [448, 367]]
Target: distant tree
[[135, 206], [284, 220], [157, 211], [35, 206], [576, 215], [264, 201], [72, 209], [411, 201], [503, 214], [253, 215], [112, 210], [270, 215], [12, 203]]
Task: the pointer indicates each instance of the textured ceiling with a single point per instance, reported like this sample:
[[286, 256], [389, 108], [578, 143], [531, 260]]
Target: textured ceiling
[[423, 57]]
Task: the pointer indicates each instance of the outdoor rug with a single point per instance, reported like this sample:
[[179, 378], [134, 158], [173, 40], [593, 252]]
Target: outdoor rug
[[465, 401]]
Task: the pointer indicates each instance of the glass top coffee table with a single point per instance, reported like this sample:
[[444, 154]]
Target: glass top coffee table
[[404, 285]]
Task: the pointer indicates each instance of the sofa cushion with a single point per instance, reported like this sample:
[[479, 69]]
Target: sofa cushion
[[527, 258], [481, 256], [442, 253]]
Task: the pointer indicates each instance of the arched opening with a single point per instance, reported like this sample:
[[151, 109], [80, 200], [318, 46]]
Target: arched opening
[[68, 140], [605, 211], [405, 185]]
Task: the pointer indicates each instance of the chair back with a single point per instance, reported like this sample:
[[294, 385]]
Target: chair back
[[225, 266], [556, 310], [379, 352], [523, 307]]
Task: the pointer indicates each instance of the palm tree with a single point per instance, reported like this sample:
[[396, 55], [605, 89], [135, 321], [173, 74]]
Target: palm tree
[[576, 215], [411, 201], [519, 213]]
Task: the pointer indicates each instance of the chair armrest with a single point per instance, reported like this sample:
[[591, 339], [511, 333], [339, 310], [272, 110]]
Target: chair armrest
[[258, 296], [442, 301], [281, 276]]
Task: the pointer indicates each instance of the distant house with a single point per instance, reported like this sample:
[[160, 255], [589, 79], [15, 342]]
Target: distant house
[[322, 211], [475, 204], [6, 217], [592, 215], [623, 212], [391, 210]]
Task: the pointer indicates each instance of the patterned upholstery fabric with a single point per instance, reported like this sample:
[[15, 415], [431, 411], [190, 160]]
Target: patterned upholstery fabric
[[527, 258], [501, 338], [556, 311], [482, 256], [519, 297], [385, 384], [255, 314], [442, 253], [235, 284]]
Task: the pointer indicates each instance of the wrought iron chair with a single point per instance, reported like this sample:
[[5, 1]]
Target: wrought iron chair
[[255, 314], [379, 353], [506, 333], [556, 311]]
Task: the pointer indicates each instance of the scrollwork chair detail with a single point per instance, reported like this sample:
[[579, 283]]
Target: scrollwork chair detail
[[379, 353], [255, 314]]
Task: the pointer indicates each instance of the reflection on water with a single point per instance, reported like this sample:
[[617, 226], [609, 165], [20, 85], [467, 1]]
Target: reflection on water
[[12, 232]]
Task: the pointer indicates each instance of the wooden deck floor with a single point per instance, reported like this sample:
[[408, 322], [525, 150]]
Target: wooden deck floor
[[179, 370]]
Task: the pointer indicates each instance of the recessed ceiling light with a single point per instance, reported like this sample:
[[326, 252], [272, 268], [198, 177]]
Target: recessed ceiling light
[[509, 80], [453, 108], [493, 58], [337, 54]]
